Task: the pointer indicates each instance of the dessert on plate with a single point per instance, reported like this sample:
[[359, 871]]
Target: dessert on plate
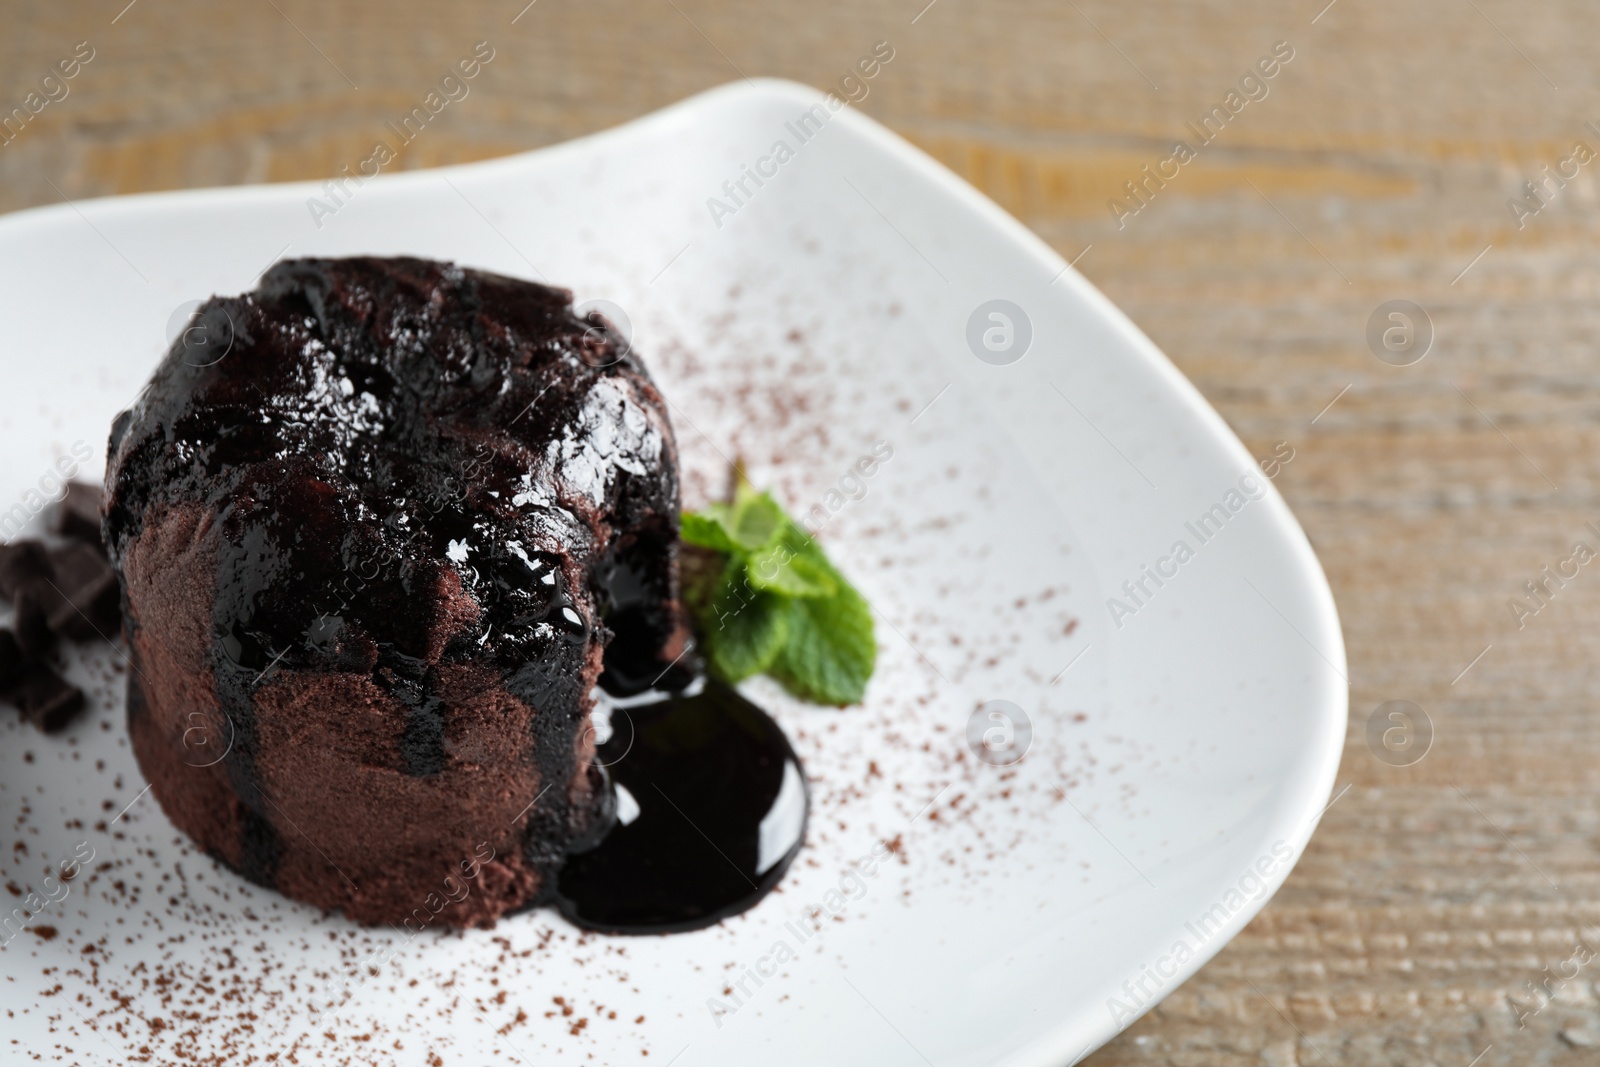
[[375, 559]]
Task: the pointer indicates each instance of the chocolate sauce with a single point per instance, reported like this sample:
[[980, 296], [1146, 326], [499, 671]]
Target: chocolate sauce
[[711, 809]]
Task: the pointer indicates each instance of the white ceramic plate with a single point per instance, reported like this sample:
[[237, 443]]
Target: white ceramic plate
[[1180, 755]]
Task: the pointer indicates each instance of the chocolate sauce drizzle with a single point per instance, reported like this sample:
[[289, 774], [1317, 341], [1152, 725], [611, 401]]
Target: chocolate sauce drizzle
[[711, 810]]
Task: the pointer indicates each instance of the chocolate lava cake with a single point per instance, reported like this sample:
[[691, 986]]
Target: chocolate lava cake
[[375, 555]]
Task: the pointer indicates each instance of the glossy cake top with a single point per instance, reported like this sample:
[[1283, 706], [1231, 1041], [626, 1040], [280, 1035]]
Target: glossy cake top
[[410, 463]]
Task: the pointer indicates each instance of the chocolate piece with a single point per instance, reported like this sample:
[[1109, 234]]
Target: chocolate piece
[[87, 604], [78, 513], [22, 562], [33, 605], [370, 566], [47, 700], [10, 661]]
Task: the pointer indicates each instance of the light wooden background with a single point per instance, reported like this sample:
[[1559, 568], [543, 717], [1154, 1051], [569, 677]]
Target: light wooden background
[[1378, 168]]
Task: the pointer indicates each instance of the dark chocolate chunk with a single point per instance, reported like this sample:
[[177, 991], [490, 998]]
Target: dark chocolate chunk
[[78, 513], [10, 661], [47, 700], [22, 562], [34, 603], [87, 604]]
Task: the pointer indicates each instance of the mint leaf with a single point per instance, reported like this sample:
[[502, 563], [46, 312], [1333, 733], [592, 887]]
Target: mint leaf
[[749, 524], [830, 651], [705, 528], [802, 543], [745, 628], [756, 520], [782, 570], [775, 603]]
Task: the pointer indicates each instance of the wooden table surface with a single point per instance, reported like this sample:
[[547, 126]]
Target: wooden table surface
[[1379, 166]]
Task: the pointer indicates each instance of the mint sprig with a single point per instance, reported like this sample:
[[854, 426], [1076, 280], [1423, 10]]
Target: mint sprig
[[776, 604]]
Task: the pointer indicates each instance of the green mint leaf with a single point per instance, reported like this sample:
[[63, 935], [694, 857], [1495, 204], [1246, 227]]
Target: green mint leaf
[[829, 651], [776, 604], [744, 628], [706, 529], [783, 570], [756, 521], [802, 544]]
